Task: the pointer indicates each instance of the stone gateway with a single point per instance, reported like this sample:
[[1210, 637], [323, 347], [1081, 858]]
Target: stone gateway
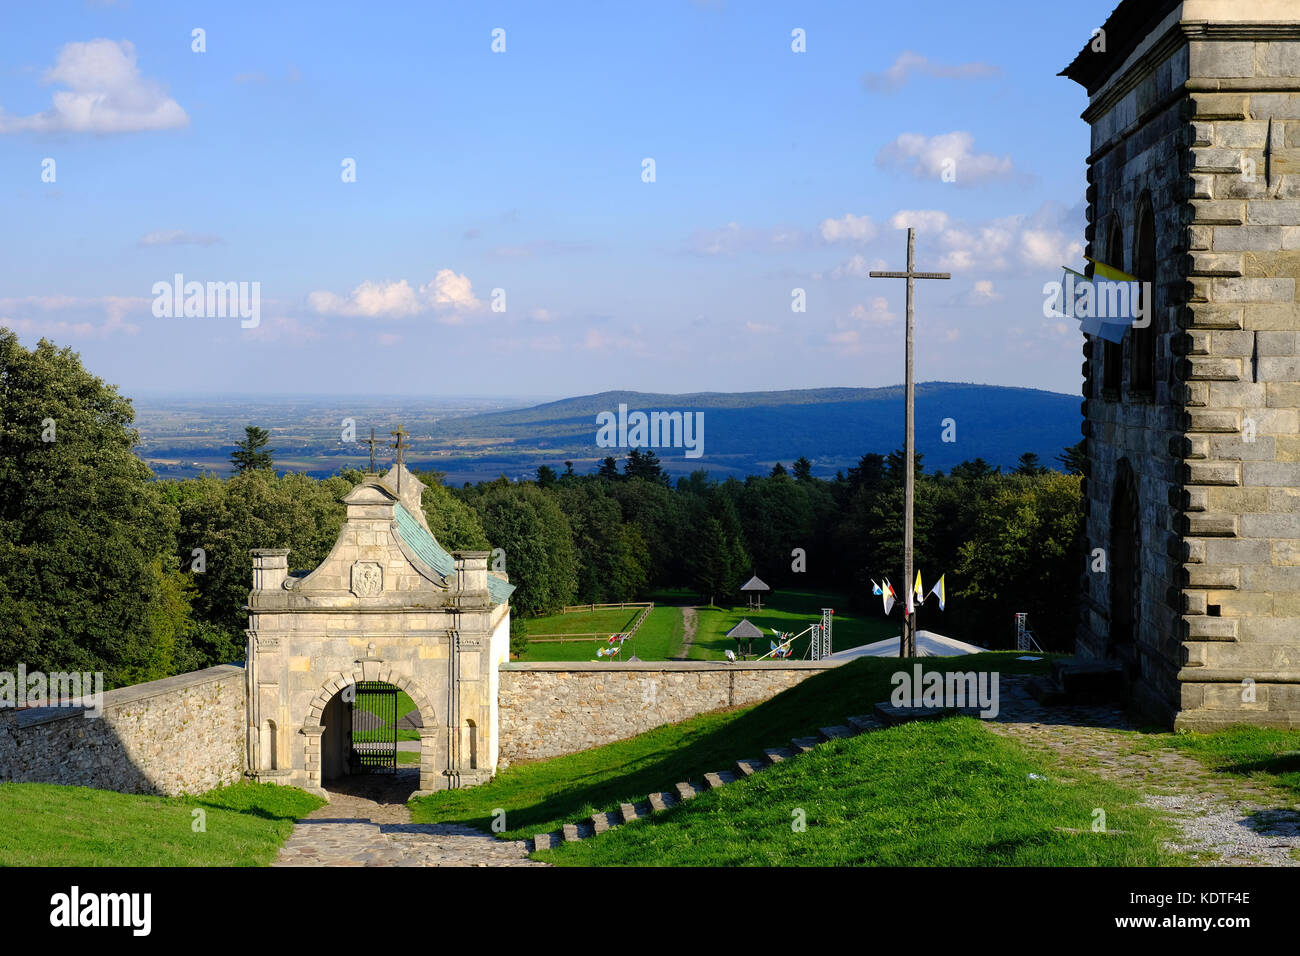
[[1192, 484], [388, 605]]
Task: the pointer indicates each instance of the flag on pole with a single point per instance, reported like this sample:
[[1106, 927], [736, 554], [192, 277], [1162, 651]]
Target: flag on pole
[[887, 596], [875, 588], [918, 590], [938, 592], [1109, 272]]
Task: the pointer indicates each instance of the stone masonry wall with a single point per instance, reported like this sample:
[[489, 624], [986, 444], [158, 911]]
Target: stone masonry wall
[[550, 709], [183, 734], [1209, 132], [1133, 172], [1241, 608]]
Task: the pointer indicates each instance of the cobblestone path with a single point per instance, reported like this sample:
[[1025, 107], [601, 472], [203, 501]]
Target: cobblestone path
[[1225, 820], [367, 823]]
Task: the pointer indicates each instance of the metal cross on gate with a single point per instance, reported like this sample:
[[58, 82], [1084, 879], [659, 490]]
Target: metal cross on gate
[[400, 449], [907, 641], [372, 443]]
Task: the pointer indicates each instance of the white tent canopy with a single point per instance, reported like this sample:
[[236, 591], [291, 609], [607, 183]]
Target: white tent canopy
[[928, 644]]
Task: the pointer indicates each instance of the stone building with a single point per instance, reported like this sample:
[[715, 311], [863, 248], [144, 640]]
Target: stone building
[[1192, 424], [387, 605]]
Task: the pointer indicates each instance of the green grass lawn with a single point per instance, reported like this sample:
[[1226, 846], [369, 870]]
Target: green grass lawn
[[791, 612], [606, 620], [659, 638], [1263, 754], [538, 797], [944, 794], [47, 825]]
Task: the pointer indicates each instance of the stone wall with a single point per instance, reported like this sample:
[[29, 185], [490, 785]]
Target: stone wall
[[1201, 125], [183, 734], [550, 709]]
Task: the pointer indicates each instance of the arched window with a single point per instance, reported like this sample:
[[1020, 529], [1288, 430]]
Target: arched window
[[1142, 351], [1112, 353]]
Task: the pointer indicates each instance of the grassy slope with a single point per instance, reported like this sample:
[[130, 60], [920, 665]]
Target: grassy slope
[[538, 797], [48, 825], [947, 794]]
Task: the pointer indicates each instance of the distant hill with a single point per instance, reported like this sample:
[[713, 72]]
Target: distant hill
[[746, 432]]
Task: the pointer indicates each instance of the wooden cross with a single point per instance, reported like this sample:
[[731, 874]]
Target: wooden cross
[[372, 443], [399, 447], [907, 641]]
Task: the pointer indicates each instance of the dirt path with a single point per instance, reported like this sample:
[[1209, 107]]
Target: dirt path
[[367, 823], [1225, 820], [688, 632]]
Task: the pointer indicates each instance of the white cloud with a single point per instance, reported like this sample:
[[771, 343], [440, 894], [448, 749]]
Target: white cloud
[[733, 238], [877, 311], [983, 293], [933, 156], [106, 94], [178, 237], [1044, 239], [908, 64], [922, 220], [855, 267], [449, 294], [848, 228], [21, 314]]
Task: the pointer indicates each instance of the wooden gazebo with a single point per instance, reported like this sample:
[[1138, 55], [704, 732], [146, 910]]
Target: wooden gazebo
[[753, 590], [745, 631]]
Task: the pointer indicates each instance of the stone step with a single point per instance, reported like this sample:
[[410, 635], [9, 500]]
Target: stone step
[[686, 791], [749, 766], [570, 832], [662, 801], [1046, 691], [892, 716], [865, 723], [716, 780], [600, 822], [778, 754], [805, 744], [837, 732], [546, 841], [1089, 681], [627, 812]]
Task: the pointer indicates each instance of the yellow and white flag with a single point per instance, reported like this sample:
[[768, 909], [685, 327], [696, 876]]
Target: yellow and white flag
[[937, 591]]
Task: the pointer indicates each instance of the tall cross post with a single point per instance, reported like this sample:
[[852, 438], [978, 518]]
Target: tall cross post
[[371, 442], [907, 641], [399, 447]]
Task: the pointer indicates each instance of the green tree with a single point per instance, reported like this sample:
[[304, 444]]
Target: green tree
[[1073, 458], [538, 542], [88, 577], [251, 454], [1027, 464], [1024, 554], [546, 477], [802, 469]]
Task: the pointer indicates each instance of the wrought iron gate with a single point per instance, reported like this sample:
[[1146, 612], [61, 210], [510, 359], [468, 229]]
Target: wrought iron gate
[[373, 720]]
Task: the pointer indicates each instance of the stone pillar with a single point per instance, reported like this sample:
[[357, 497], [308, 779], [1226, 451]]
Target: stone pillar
[[270, 568], [471, 571]]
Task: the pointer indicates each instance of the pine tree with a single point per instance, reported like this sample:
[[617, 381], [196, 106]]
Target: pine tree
[[252, 454]]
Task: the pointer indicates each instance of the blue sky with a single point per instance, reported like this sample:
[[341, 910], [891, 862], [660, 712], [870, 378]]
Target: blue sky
[[522, 171]]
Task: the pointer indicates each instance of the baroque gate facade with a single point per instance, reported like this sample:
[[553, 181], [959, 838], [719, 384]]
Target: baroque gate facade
[[389, 605]]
